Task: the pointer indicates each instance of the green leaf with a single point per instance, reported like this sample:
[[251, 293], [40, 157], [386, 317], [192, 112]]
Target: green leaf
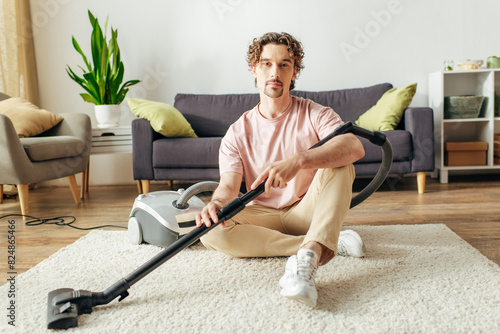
[[88, 98], [91, 18], [79, 50], [96, 43], [115, 50], [124, 89]]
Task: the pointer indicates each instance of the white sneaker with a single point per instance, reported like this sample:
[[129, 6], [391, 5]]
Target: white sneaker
[[350, 244], [298, 281]]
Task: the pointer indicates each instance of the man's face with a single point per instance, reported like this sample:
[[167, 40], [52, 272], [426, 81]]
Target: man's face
[[275, 70]]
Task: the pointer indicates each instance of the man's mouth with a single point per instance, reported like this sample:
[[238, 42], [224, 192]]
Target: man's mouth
[[274, 83]]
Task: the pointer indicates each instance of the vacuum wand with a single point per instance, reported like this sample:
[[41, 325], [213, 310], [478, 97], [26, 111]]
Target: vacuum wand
[[64, 305]]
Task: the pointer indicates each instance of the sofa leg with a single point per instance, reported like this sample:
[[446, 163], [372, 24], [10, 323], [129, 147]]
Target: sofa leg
[[421, 182], [145, 186], [1, 193]]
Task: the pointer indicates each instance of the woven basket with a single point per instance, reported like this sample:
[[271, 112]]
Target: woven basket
[[465, 106]]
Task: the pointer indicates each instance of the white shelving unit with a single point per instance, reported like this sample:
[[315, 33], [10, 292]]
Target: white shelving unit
[[112, 140], [474, 82]]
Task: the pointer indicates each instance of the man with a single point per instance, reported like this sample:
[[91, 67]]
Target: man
[[307, 192]]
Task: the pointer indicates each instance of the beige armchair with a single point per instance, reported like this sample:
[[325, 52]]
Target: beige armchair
[[62, 151]]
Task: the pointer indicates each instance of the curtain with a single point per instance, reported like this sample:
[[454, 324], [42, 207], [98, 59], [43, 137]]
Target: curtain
[[17, 52]]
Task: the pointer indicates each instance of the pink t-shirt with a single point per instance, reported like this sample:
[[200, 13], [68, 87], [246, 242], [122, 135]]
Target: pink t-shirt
[[253, 142]]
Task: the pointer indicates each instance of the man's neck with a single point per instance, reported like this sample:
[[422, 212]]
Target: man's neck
[[273, 107]]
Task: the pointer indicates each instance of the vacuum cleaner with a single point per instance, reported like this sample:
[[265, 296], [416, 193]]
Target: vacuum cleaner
[[162, 217], [149, 216]]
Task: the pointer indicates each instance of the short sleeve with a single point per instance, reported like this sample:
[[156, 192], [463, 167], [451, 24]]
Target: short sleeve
[[326, 122], [229, 156]]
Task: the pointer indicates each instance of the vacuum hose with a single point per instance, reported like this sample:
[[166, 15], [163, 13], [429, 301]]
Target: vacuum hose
[[379, 178], [182, 202]]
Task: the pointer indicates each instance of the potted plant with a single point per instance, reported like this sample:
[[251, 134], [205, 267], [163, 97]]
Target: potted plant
[[102, 78]]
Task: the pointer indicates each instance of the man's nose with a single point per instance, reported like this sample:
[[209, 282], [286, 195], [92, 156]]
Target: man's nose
[[275, 72]]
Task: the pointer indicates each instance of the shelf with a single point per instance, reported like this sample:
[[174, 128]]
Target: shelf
[[462, 120], [484, 167], [481, 70]]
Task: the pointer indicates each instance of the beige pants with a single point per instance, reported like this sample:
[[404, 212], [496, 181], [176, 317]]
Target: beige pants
[[259, 231]]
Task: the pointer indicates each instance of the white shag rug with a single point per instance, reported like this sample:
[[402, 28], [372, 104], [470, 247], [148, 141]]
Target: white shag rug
[[415, 279]]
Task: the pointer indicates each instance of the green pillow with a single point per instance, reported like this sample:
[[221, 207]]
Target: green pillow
[[164, 118], [386, 114]]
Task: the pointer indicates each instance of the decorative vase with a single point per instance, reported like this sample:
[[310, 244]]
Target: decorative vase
[[107, 115]]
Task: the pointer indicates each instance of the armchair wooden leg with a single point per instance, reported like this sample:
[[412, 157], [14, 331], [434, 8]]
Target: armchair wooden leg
[[421, 182], [74, 188], [24, 198], [139, 186], [145, 186], [1, 193], [85, 182]]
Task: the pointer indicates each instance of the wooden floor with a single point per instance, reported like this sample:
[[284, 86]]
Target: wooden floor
[[470, 206]]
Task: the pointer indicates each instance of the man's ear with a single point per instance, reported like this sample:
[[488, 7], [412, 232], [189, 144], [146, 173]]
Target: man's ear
[[295, 72], [254, 69]]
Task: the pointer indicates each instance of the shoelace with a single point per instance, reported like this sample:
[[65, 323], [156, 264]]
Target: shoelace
[[306, 270], [341, 249]]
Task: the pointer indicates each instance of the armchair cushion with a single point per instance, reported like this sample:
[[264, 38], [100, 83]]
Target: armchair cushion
[[28, 119], [52, 147]]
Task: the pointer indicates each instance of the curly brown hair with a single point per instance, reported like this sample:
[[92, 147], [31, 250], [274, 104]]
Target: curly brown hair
[[295, 49]]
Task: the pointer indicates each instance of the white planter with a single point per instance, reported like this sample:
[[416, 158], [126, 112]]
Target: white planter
[[107, 115]]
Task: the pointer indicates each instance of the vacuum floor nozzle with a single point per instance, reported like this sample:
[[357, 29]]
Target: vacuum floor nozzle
[[64, 306]]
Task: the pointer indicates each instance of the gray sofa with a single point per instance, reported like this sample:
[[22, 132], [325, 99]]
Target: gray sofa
[[156, 157]]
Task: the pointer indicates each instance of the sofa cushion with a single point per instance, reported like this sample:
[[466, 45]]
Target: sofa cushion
[[211, 115], [387, 113], [164, 118], [402, 147], [348, 103], [52, 147], [186, 152]]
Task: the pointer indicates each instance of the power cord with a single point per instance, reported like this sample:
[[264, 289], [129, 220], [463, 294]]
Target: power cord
[[59, 221]]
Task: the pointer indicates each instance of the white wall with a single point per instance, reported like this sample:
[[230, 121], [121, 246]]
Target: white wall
[[199, 46]]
